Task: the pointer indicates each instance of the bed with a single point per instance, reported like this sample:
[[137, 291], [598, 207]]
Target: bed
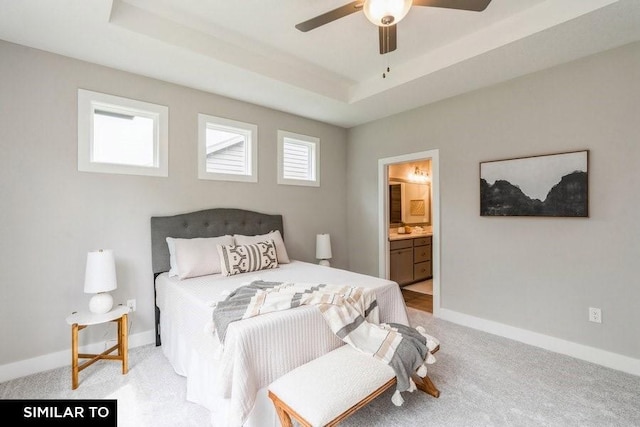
[[230, 379]]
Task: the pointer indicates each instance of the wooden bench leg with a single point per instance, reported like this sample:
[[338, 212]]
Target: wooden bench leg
[[285, 419], [282, 411], [425, 384]]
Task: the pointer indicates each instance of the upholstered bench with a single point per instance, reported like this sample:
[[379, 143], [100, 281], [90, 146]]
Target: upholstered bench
[[328, 389]]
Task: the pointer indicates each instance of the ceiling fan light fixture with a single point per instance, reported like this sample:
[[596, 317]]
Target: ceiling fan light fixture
[[384, 13]]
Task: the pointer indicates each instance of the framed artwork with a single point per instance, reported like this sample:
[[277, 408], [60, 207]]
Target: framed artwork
[[416, 207], [551, 185]]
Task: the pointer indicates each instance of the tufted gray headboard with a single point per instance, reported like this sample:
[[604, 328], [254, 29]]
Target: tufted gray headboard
[[205, 223]]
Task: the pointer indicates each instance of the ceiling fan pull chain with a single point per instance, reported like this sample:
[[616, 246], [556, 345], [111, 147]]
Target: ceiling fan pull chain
[[384, 74]]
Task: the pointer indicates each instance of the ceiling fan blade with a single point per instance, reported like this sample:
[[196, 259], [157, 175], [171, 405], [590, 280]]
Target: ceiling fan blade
[[325, 18], [473, 5], [388, 38]]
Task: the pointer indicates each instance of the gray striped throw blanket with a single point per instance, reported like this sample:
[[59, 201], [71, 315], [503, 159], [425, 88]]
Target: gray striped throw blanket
[[350, 312]]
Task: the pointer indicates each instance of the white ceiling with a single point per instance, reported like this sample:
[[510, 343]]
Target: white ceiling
[[250, 49]]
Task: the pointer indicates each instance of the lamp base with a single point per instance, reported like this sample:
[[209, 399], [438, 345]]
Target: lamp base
[[324, 263], [101, 303]]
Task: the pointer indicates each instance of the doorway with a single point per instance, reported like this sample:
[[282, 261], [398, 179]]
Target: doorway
[[416, 214]]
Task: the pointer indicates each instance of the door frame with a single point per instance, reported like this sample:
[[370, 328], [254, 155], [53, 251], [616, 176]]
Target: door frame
[[383, 217]]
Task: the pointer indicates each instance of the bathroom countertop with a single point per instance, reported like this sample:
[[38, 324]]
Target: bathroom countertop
[[397, 236]]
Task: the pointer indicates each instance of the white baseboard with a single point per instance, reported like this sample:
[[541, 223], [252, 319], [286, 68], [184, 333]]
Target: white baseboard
[[46, 362], [557, 345]]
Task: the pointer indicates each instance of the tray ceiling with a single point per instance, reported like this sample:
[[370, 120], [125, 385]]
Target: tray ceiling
[[250, 49]]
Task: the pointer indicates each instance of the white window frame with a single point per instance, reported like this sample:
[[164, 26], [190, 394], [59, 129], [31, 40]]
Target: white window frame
[[89, 102], [249, 130], [313, 144]]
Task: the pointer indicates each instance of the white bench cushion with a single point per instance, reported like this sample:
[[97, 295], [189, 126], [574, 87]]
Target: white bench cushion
[[324, 388]]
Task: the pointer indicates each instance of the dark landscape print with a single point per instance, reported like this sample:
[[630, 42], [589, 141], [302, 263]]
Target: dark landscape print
[[552, 185]]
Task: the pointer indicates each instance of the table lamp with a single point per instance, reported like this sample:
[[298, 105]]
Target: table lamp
[[323, 249], [99, 279]]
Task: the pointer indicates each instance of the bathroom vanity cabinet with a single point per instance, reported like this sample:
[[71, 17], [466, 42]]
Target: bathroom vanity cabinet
[[410, 260]]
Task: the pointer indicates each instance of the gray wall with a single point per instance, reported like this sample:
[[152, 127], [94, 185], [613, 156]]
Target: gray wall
[[538, 274], [51, 214]]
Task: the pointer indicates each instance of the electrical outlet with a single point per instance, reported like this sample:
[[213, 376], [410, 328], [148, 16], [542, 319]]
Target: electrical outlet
[[131, 303], [595, 315]]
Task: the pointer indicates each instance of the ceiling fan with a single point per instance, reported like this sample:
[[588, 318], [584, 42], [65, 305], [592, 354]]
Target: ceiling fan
[[386, 14]]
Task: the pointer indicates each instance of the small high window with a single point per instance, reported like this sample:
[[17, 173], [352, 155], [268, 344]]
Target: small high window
[[298, 159], [121, 135], [227, 149]]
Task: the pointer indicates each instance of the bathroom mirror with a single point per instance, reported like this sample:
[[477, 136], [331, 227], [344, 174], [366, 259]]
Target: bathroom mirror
[[409, 203]]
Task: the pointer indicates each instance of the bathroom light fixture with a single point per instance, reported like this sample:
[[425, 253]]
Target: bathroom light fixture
[[384, 13], [419, 175]]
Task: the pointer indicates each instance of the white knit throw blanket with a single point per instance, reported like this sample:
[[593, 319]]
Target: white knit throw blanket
[[350, 312]]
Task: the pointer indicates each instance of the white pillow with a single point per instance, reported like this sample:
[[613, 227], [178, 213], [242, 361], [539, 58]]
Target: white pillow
[[198, 256], [281, 249], [236, 259]]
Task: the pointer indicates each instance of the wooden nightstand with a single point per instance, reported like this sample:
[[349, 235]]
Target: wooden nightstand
[[81, 320]]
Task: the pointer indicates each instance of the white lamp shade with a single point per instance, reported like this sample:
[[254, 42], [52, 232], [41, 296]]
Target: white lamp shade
[[100, 275], [323, 246], [386, 12]]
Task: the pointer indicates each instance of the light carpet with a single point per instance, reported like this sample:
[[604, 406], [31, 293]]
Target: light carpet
[[484, 380]]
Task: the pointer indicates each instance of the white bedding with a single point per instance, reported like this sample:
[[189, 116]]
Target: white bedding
[[230, 380]]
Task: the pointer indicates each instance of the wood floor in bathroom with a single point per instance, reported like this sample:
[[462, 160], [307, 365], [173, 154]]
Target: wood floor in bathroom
[[419, 295], [418, 300]]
